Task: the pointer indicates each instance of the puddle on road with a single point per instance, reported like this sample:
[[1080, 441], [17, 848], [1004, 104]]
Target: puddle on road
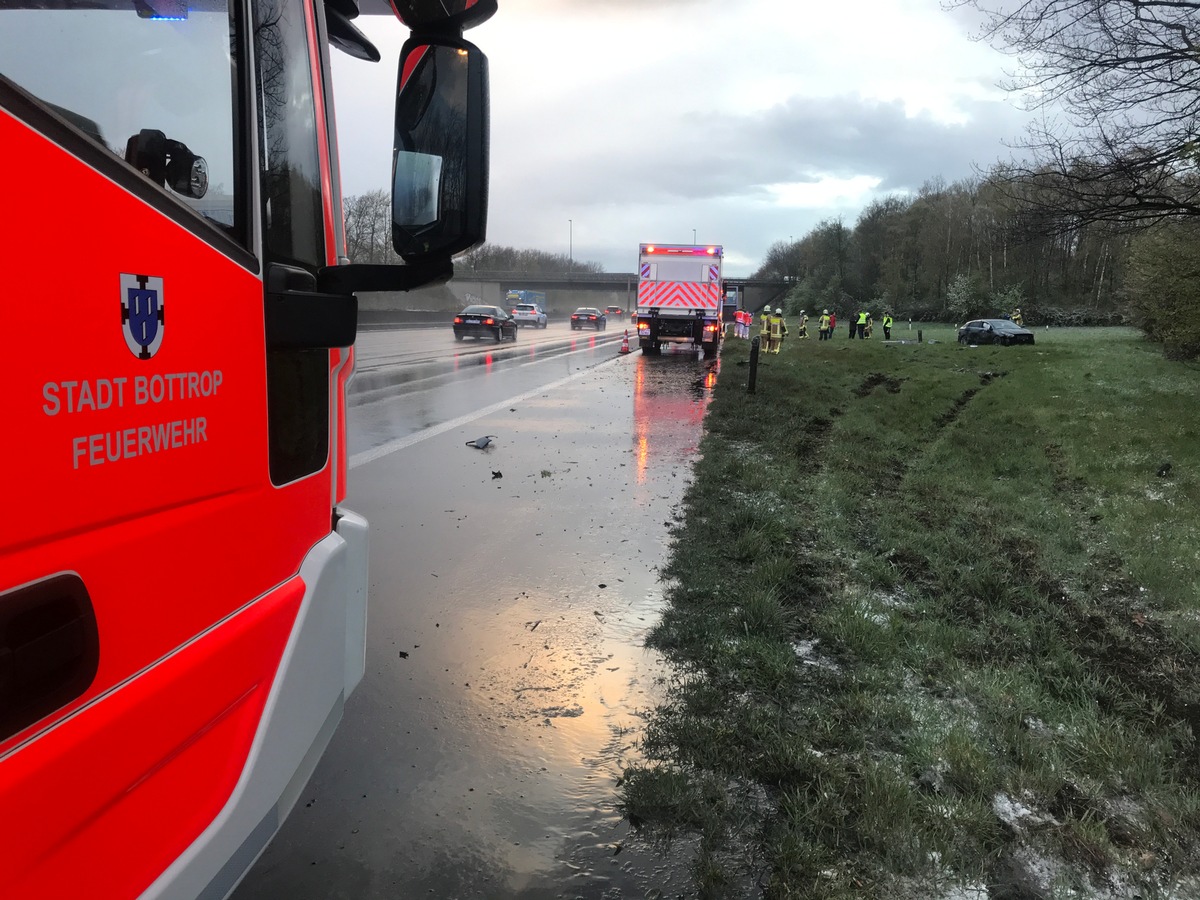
[[506, 675]]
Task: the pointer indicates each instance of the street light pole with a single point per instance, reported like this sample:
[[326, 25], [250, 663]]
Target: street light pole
[[570, 244], [693, 237]]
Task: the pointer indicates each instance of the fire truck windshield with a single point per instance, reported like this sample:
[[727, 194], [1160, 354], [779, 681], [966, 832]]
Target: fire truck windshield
[[154, 89]]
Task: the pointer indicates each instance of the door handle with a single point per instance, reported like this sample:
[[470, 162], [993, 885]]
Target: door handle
[[49, 649], [301, 317]]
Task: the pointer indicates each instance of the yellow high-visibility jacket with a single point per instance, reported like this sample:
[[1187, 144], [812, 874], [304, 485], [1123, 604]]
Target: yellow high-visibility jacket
[[778, 326]]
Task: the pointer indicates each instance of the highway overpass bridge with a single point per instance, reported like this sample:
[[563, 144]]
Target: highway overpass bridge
[[563, 292]]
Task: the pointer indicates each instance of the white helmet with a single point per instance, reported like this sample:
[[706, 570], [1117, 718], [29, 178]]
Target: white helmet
[[778, 311]]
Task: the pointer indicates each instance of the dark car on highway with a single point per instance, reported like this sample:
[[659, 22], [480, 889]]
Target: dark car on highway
[[588, 317], [615, 311], [994, 331], [485, 322]]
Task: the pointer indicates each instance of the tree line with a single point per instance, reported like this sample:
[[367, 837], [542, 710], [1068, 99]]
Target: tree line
[[951, 252]]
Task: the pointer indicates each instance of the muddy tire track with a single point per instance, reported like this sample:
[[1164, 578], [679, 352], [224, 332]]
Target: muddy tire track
[[874, 380]]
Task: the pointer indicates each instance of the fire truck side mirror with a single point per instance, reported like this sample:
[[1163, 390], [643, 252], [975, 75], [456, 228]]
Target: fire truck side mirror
[[428, 15], [440, 153]]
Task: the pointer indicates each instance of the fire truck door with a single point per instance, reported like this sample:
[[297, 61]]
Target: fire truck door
[[162, 442]]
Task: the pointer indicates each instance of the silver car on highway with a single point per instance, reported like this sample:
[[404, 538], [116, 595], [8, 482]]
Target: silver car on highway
[[529, 314]]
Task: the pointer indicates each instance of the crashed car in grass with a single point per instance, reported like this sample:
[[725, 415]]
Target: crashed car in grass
[[485, 322], [994, 331]]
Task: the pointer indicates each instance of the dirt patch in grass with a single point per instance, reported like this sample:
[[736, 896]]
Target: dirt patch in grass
[[948, 417], [874, 380], [812, 437]]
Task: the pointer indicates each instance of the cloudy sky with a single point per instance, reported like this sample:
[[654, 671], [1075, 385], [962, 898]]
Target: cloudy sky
[[744, 122]]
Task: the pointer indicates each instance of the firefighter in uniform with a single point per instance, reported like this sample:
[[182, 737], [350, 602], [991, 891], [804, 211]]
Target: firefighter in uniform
[[764, 332], [870, 325], [887, 325], [803, 332], [1016, 317], [778, 331], [823, 326]]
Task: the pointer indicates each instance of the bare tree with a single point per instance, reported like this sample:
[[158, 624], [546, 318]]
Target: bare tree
[[1125, 77], [369, 227]]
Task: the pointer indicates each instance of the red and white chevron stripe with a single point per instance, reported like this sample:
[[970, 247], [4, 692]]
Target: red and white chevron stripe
[[679, 294]]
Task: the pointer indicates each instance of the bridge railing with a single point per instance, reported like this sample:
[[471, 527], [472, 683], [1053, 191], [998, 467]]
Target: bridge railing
[[532, 279]]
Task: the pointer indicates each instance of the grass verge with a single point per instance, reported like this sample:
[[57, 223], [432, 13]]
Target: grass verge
[[934, 618]]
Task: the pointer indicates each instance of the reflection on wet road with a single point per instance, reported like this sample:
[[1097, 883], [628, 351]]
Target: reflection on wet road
[[393, 402], [511, 590]]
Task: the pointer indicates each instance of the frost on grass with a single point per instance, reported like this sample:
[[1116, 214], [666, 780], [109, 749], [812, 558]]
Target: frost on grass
[[1017, 815], [896, 599], [806, 652], [938, 715], [761, 501]]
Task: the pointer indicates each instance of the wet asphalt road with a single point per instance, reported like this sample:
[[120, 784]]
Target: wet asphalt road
[[506, 679]]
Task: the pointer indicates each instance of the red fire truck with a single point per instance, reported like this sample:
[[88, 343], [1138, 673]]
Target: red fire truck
[[182, 593]]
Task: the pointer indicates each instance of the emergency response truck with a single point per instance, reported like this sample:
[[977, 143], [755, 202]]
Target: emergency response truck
[[679, 297], [182, 592]]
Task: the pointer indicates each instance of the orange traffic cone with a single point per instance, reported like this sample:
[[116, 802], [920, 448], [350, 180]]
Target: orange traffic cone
[[625, 342]]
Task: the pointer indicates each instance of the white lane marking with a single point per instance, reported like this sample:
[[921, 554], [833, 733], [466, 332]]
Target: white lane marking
[[366, 456], [368, 398]]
